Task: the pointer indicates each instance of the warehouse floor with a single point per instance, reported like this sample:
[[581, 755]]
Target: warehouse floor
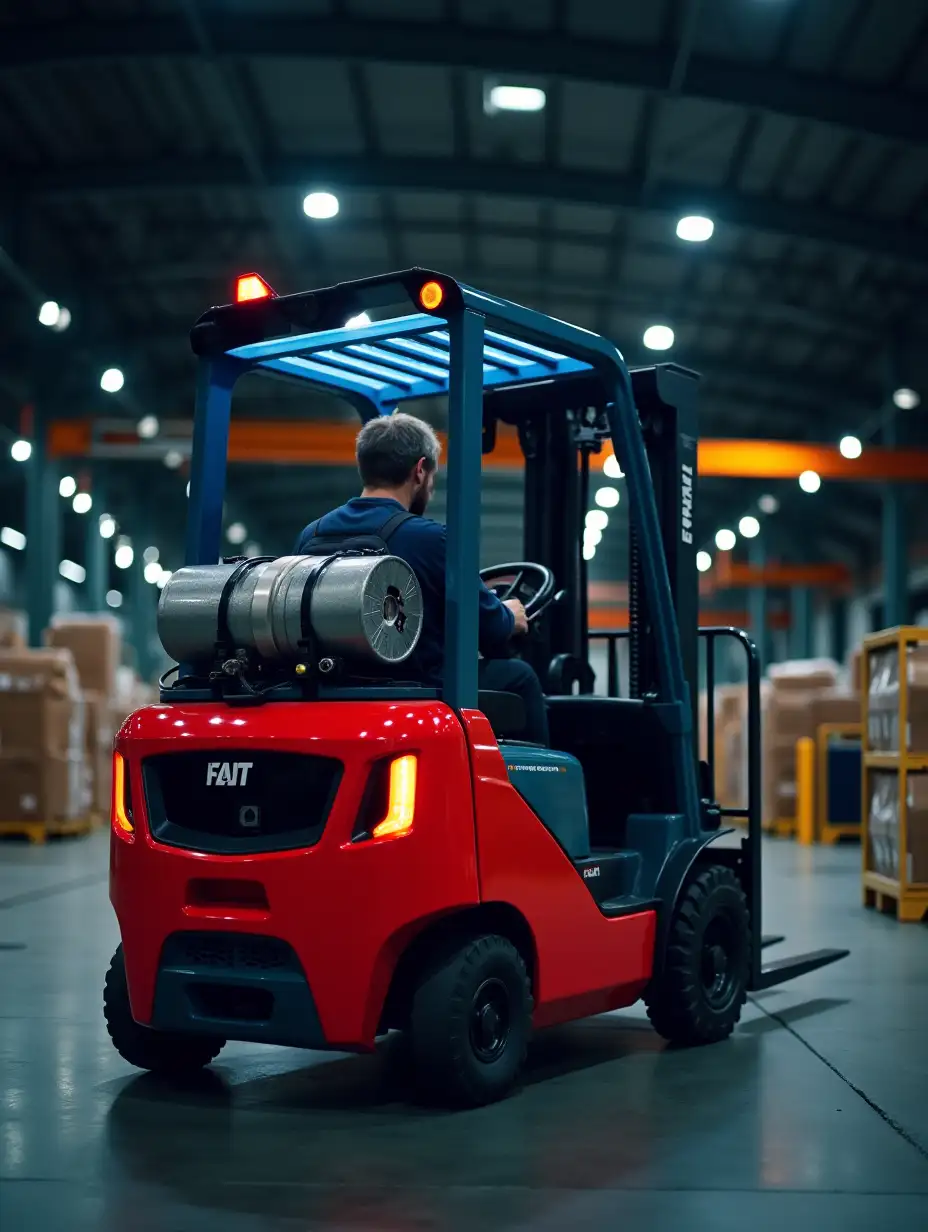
[[816, 1113]]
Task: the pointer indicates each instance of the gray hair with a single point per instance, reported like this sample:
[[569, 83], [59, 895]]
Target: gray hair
[[389, 447]]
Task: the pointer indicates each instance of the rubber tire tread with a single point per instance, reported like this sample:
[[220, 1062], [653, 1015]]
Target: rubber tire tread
[[439, 1027], [162, 1052], [675, 1005]]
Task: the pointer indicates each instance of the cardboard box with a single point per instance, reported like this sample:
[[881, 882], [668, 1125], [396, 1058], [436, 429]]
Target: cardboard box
[[13, 629], [96, 644], [34, 788]]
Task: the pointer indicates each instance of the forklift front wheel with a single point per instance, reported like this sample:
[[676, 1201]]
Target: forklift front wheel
[[699, 996], [471, 1021], [163, 1052]]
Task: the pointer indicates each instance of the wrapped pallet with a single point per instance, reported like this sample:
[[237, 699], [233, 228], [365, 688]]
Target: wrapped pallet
[[43, 769], [884, 827], [96, 644], [883, 699]]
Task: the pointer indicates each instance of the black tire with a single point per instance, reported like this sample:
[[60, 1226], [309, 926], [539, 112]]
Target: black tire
[[698, 997], [163, 1052], [471, 1021]]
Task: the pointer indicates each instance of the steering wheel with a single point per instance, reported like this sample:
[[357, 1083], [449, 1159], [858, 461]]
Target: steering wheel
[[525, 580]]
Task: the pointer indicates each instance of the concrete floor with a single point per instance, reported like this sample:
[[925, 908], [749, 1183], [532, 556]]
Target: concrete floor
[[816, 1113]]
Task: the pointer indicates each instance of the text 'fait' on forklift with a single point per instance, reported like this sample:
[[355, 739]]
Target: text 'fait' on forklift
[[309, 848]]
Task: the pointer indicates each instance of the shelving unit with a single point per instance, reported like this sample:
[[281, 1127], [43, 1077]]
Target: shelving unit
[[894, 835]]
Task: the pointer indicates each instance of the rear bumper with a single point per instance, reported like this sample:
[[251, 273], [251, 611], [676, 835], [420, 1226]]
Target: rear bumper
[[205, 988]]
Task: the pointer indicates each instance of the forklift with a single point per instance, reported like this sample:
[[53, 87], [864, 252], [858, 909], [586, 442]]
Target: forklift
[[311, 848]]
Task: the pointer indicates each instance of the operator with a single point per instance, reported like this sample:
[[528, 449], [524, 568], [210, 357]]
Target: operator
[[397, 457]]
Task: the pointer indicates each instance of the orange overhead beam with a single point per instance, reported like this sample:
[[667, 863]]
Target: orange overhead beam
[[731, 573], [331, 443], [605, 618]]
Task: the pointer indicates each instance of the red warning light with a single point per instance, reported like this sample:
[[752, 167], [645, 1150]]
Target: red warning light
[[252, 286]]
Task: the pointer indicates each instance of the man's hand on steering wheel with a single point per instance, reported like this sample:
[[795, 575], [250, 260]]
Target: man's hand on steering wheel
[[518, 610]]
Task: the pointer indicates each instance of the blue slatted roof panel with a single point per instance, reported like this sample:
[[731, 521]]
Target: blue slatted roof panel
[[399, 360]]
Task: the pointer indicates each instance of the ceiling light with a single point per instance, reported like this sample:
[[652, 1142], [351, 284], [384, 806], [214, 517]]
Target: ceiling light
[[163, 579], [703, 562], [67, 486], [658, 338], [252, 549], [589, 551], [514, 98], [850, 447], [150, 556], [768, 504], [695, 228], [593, 536], [124, 556], [725, 540], [152, 572], [82, 503], [236, 533], [810, 481], [749, 526], [12, 538], [188, 487], [107, 526], [53, 316], [21, 451], [147, 427], [611, 468], [597, 519], [114, 598], [358, 322], [72, 572], [112, 381], [320, 205], [906, 399], [607, 498], [173, 459]]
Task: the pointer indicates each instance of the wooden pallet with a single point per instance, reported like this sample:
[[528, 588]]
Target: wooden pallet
[[39, 831], [832, 833], [888, 897], [782, 827]]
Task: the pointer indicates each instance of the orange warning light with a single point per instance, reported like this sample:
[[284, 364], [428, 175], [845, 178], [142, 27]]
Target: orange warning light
[[431, 295], [251, 286]]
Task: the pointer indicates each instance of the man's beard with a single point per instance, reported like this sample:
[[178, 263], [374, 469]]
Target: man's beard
[[420, 502]]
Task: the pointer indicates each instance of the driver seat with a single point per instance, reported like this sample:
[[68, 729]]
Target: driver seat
[[505, 713]]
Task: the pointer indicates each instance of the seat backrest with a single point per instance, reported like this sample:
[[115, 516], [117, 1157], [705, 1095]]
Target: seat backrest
[[505, 713]]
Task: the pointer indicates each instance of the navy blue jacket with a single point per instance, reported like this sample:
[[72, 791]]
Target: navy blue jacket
[[421, 543]]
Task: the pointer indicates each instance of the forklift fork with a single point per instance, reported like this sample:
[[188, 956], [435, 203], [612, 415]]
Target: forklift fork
[[763, 975]]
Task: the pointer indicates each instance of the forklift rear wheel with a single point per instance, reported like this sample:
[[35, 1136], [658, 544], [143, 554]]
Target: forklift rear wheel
[[699, 996], [163, 1052], [471, 1021]]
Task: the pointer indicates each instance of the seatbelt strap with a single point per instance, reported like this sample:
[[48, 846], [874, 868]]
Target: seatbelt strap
[[393, 523]]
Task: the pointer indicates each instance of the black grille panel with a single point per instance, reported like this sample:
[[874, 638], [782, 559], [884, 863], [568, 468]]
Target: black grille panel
[[239, 800], [239, 952]]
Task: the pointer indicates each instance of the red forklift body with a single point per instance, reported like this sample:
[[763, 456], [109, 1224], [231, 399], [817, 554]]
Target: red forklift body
[[342, 906]]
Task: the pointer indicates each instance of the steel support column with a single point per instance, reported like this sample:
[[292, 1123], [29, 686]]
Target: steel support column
[[838, 629], [43, 532], [895, 554], [96, 550], [801, 622], [757, 605]]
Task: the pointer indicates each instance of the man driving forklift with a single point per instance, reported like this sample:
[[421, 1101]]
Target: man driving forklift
[[397, 458]]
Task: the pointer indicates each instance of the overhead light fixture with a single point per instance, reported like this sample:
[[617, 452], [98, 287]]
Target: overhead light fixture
[[237, 533], [124, 556], [850, 447], [82, 503], [906, 399], [164, 578], [114, 598], [21, 451], [67, 486], [72, 572], [173, 459], [597, 519], [593, 536], [703, 562], [810, 481], [54, 316], [725, 540], [514, 98], [151, 555], [11, 538], [112, 381], [607, 498], [152, 572], [695, 228], [252, 549], [107, 526], [358, 322], [749, 526], [320, 205], [658, 338], [768, 504], [147, 427], [589, 551], [611, 468]]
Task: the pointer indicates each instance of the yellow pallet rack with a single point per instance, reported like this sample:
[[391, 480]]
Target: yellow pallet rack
[[826, 831], [908, 901]]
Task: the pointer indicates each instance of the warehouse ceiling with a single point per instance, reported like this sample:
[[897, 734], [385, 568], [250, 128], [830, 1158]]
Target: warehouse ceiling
[[151, 150]]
